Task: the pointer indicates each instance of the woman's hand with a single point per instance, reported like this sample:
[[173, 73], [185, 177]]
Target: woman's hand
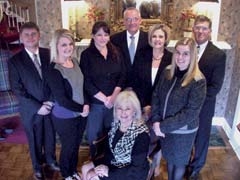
[[156, 129], [109, 102], [85, 111], [92, 175], [101, 170]]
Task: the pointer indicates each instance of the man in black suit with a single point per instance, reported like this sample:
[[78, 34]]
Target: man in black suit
[[27, 71], [132, 20], [212, 64]]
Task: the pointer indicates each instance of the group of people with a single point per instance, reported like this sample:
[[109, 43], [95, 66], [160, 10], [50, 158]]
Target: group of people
[[122, 81]]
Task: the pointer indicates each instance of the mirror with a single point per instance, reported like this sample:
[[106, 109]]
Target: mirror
[[152, 12]]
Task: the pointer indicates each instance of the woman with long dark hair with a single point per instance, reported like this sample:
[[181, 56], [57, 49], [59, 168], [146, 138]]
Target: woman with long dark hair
[[104, 77]]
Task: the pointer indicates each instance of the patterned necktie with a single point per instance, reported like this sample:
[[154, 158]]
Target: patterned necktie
[[132, 48], [37, 64]]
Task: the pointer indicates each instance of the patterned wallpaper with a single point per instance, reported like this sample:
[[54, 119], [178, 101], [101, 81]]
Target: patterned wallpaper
[[49, 18]]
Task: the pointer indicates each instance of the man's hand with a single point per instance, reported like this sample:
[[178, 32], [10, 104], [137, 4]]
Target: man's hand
[[44, 110]]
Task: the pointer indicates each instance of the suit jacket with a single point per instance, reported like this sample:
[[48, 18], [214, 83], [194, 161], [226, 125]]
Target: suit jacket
[[212, 64], [27, 84], [120, 40], [142, 73]]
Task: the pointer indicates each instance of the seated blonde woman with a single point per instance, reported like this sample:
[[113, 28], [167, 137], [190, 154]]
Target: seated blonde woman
[[128, 142]]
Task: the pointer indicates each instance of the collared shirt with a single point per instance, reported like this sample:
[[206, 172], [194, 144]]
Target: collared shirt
[[32, 55], [136, 36], [202, 48]]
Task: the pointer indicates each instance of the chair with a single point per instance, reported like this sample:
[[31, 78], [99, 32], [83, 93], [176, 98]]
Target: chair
[[154, 148], [99, 147]]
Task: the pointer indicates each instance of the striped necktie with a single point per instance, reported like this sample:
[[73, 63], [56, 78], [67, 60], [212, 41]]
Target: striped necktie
[[37, 64]]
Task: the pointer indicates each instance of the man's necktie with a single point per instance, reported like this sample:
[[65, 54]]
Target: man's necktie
[[132, 48], [198, 52], [37, 64], [198, 49]]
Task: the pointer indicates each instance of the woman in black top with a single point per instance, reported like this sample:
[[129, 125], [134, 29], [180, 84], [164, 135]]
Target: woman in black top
[[104, 77], [128, 143], [65, 80], [149, 65], [176, 104], [147, 70]]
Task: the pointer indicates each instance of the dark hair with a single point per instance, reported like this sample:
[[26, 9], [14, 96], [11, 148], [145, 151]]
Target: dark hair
[[29, 25], [202, 18], [104, 26], [100, 25]]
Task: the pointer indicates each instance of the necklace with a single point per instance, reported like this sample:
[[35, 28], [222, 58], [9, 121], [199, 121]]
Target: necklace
[[158, 58]]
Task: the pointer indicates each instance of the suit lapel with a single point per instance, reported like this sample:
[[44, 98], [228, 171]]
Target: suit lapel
[[125, 47], [207, 52], [30, 65]]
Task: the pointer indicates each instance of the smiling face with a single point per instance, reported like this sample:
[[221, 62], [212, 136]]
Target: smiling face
[[182, 56], [158, 39], [202, 32], [65, 47], [125, 113], [132, 20], [30, 38], [101, 38]]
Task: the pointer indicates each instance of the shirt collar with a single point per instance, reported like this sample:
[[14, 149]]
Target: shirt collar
[[202, 46], [31, 53], [135, 35]]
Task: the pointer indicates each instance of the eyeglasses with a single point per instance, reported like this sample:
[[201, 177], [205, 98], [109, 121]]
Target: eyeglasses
[[129, 20], [203, 28]]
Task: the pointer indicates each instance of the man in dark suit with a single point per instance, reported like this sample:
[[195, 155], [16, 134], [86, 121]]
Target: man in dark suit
[[27, 71], [212, 64], [123, 40]]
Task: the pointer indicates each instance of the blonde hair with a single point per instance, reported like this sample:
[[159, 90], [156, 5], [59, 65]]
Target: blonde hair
[[55, 39], [193, 71], [155, 27], [129, 97]]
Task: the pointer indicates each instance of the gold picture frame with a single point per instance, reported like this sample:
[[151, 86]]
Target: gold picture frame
[[164, 16]]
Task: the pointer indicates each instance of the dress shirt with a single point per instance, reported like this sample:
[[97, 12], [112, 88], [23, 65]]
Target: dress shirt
[[32, 55], [136, 37], [202, 47]]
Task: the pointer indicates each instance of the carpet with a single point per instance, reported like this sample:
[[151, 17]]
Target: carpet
[[216, 139], [18, 135]]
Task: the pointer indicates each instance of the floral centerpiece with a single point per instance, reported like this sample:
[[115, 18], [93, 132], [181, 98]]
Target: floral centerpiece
[[187, 18], [95, 13]]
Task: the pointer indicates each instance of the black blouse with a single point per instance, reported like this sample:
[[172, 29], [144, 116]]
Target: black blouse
[[101, 74]]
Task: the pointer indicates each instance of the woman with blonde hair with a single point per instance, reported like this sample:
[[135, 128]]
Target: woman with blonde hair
[[65, 80], [176, 103], [128, 142]]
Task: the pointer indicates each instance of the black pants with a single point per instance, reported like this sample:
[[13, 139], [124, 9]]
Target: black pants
[[70, 132], [41, 139]]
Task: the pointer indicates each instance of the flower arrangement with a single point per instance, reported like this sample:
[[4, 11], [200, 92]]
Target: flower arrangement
[[95, 13], [187, 14], [187, 18]]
